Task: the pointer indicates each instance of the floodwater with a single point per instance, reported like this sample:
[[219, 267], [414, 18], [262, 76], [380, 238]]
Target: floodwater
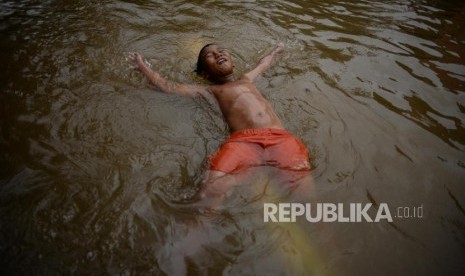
[[97, 167]]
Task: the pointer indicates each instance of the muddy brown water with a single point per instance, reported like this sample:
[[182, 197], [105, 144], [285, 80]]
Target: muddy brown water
[[94, 163]]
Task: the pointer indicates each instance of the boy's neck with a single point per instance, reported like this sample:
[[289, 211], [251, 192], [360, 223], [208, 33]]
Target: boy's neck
[[225, 79]]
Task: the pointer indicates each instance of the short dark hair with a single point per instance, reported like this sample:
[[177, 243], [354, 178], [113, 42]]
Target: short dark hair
[[200, 61]]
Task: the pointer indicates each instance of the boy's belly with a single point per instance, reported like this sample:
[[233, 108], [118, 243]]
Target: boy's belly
[[250, 111]]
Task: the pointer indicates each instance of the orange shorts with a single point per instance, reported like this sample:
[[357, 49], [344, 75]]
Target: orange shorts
[[261, 147]]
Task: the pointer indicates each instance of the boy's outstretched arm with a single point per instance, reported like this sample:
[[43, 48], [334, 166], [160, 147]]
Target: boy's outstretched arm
[[137, 61], [264, 63]]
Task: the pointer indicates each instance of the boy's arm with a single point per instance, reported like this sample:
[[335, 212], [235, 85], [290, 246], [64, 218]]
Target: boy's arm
[[137, 61], [264, 63]]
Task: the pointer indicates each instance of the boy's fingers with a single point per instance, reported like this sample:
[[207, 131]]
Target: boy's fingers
[[132, 55]]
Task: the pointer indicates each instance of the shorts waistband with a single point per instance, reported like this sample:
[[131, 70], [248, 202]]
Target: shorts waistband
[[251, 131]]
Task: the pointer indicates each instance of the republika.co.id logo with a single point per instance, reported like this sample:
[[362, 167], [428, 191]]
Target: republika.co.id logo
[[340, 212]]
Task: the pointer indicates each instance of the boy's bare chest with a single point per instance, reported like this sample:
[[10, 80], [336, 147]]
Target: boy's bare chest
[[230, 95]]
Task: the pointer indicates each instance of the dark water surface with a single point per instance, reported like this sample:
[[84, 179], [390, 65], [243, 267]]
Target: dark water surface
[[93, 160]]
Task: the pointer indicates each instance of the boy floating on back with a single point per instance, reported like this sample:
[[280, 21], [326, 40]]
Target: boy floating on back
[[257, 135]]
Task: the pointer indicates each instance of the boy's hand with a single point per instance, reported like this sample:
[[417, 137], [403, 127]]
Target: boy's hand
[[279, 48], [136, 60]]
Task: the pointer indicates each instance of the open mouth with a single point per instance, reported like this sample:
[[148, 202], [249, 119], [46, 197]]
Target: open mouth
[[221, 61]]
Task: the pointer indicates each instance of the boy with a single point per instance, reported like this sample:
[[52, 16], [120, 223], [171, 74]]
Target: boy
[[258, 137]]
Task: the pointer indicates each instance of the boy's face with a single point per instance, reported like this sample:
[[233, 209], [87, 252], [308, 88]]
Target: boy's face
[[217, 61]]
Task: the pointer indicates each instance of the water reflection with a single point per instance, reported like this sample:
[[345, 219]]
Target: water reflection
[[93, 160]]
